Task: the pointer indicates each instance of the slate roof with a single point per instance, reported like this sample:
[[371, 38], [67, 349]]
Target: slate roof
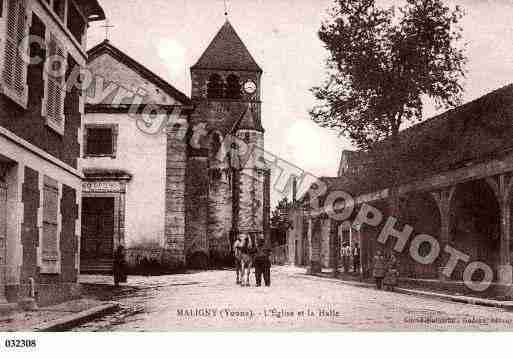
[[227, 52], [473, 132], [106, 47]]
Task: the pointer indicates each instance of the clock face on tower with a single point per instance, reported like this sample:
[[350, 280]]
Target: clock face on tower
[[249, 87]]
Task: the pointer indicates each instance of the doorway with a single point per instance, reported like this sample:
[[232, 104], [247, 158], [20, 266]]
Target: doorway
[[97, 249]]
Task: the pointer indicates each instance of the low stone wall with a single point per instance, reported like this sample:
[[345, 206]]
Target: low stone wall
[[151, 260], [46, 294]]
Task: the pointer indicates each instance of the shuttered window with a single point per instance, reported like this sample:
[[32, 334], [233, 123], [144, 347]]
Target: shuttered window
[[50, 239], [53, 109], [14, 71]]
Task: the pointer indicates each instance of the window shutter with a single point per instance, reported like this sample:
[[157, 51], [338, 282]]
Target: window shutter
[[50, 239], [14, 72], [55, 92]]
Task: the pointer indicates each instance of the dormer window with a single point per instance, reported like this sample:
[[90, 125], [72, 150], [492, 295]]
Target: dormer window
[[215, 87]]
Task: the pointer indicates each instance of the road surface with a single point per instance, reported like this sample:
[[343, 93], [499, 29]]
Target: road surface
[[212, 301]]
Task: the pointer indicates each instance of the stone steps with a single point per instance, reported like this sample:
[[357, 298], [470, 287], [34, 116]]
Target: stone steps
[[96, 266]]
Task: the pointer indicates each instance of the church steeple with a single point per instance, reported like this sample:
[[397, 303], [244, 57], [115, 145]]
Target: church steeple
[[227, 52], [226, 93]]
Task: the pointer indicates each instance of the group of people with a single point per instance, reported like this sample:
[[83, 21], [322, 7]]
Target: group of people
[[385, 270], [247, 254], [350, 256]]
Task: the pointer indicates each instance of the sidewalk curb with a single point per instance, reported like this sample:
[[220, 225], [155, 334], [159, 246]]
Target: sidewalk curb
[[508, 305], [336, 280], [70, 321], [459, 299]]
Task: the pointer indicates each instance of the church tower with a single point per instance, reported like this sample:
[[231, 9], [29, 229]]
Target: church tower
[[225, 176]]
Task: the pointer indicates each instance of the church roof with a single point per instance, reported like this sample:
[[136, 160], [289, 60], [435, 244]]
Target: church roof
[[106, 47], [227, 52]]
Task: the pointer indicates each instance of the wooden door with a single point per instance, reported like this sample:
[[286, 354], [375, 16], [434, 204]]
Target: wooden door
[[97, 228]]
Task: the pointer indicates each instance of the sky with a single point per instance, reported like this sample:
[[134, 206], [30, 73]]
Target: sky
[[168, 37]]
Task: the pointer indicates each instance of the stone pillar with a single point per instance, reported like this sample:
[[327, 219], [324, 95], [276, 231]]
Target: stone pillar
[[295, 235], [5, 307], [443, 199], [501, 186], [267, 206], [196, 211], [219, 212], [314, 241], [3, 238], [251, 185], [355, 231], [335, 250], [176, 163]]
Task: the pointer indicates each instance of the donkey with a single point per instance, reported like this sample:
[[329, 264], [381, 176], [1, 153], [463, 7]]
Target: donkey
[[237, 250]]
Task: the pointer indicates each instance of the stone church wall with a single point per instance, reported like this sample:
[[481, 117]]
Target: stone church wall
[[251, 185], [176, 163], [196, 201], [219, 214]]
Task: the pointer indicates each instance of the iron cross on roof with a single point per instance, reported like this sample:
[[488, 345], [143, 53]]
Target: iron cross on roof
[[225, 8]]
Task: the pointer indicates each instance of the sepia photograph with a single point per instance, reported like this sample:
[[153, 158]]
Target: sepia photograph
[[255, 166]]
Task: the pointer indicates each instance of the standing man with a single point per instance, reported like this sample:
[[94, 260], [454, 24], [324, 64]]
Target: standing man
[[119, 266], [346, 252], [356, 258], [262, 264], [379, 268]]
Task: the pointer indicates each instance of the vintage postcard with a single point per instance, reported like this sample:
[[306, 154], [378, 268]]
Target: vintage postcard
[[211, 165]]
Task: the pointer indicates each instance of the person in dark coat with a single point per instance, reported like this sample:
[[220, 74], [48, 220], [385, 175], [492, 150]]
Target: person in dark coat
[[356, 258], [263, 265], [392, 273], [346, 257], [379, 269], [119, 266]]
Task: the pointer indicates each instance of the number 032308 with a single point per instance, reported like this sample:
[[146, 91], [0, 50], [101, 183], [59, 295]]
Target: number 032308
[[19, 343]]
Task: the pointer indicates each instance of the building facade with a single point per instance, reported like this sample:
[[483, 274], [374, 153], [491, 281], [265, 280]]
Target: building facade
[[173, 189], [41, 111], [453, 184], [125, 194]]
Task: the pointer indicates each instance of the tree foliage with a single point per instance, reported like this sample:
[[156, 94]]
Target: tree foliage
[[383, 61], [280, 215]]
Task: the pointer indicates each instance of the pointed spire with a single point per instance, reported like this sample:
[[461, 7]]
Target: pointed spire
[[227, 52]]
